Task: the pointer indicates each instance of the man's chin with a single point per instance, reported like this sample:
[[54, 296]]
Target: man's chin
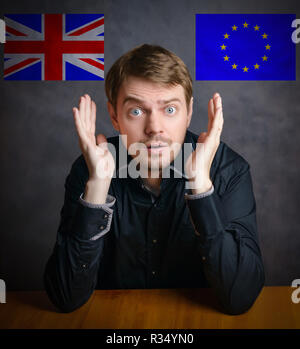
[[154, 166]]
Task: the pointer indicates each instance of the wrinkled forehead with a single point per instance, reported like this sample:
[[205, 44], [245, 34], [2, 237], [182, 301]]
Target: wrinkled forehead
[[141, 89]]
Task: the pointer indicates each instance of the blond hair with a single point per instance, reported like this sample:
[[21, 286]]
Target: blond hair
[[152, 62]]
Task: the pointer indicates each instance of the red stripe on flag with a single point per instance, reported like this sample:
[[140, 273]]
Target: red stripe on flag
[[89, 27], [53, 38], [14, 31], [92, 62], [20, 65]]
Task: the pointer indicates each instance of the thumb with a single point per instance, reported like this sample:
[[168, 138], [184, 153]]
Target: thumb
[[202, 137], [101, 144], [101, 140]]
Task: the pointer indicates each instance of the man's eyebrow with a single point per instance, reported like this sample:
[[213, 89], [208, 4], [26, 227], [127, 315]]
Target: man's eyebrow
[[132, 99], [138, 100], [170, 100]]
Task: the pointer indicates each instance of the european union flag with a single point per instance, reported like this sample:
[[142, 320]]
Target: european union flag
[[245, 47]]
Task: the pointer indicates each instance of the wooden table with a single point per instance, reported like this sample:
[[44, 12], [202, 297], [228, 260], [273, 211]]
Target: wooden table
[[150, 309]]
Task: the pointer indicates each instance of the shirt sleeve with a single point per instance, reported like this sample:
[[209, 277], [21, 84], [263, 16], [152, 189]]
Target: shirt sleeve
[[71, 272], [105, 227], [200, 195], [227, 231]]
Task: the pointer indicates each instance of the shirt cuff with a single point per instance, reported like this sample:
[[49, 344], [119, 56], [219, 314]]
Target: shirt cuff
[[208, 216], [110, 200], [199, 196], [92, 221]]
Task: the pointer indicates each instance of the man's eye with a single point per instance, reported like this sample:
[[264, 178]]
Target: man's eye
[[170, 110], [136, 112]]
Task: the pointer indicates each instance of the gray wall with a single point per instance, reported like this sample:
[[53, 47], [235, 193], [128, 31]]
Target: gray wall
[[39, 143]]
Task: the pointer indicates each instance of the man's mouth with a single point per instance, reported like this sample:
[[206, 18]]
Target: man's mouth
[[156, 148], [156, 145]]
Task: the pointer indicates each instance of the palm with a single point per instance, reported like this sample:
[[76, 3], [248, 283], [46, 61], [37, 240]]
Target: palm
[[98, 158]]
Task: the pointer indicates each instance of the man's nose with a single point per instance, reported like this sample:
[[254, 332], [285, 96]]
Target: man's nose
[[153, 123]]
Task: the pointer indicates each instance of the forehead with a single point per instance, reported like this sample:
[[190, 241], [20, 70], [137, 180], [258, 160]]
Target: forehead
[[149, 91]]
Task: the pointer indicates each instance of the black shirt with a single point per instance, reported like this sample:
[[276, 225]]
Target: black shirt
[[140, 240]]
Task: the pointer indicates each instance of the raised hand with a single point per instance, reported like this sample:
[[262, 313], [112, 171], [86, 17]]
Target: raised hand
[[98, 158], [197, 166]]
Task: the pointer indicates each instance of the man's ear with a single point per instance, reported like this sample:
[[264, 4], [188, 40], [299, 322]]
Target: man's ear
[[113, 116], [190, 112]]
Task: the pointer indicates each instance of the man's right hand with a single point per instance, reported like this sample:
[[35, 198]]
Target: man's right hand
[[98, 158]]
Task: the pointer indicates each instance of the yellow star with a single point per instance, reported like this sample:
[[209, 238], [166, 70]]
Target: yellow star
[[226, 58], [256, 27], [256, 66], [226, 36], [234, 66], [245, 69], [245, 25], [268, 47], [223, 47], [264, 36], [234, 27], [264, 58]]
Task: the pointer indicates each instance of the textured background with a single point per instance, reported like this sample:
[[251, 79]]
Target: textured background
[[38, 140]]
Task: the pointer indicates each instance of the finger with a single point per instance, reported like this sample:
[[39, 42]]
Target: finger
[[216, 97], [210, 114], [212, 110], [218, 119], [93, 117], [78, 123], [88, 111], [82, 111]]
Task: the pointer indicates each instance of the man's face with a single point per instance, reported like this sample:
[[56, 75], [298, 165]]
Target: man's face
[[151, 114]]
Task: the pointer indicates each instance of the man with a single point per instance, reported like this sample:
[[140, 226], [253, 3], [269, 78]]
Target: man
[[194, 227]]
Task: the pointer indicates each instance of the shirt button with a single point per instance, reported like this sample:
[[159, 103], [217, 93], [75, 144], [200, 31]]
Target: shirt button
[[153, 272], [84, 266], [154, 241]]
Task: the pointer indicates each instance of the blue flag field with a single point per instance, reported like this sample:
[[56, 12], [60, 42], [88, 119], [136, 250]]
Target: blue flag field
[[245, 47]]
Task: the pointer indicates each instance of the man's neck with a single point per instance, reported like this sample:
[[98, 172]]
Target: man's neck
[[153, 182]]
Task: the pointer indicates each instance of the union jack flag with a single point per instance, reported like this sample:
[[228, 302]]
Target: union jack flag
[[54, 47]]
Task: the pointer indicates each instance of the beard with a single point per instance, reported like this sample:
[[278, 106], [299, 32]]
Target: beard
[[151, 165]]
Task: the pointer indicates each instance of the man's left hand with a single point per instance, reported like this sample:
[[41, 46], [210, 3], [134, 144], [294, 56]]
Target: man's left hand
[[198, 164]]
